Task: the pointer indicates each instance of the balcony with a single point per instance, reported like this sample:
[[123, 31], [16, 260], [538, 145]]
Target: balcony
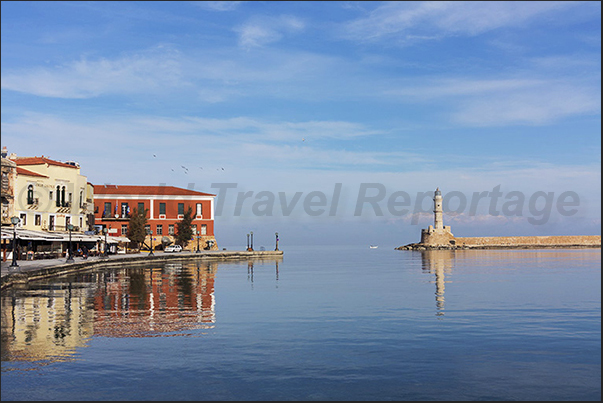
[[122, 217]]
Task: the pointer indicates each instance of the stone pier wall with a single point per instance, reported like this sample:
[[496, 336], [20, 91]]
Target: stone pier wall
[[530, 241]]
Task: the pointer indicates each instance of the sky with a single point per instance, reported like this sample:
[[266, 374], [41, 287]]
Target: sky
[[327, 122]]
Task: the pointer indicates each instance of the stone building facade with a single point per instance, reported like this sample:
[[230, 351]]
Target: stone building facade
[[50, 195]]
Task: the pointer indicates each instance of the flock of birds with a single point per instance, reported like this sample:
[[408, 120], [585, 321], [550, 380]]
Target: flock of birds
[[186, 169]]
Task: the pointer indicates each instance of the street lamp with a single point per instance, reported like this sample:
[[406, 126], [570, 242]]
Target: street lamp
[[105, 254], [150, 233], [276, 234], [70, 257], [198, 236], [251, 244], [14, 265]]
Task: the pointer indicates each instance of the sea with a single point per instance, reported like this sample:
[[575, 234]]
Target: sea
[[346, 323]]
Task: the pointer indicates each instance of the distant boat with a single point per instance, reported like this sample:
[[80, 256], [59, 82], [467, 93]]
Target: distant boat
[[374, 246]]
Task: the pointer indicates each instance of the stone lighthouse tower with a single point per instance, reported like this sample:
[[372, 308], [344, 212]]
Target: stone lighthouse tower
[[437, 234], [438, 222]]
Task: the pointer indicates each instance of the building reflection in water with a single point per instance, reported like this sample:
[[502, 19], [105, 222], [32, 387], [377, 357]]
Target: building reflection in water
[[46, 324], [49, 320], [149, 301], [439, 263]]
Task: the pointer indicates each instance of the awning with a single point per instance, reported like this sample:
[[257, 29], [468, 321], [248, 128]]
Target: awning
[[31, 235], [117, 239]]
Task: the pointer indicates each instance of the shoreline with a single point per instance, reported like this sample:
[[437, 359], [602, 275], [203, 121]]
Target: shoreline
[[421, 246], [41, 269]]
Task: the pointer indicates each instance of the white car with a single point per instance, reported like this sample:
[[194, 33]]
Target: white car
[[173, 248]]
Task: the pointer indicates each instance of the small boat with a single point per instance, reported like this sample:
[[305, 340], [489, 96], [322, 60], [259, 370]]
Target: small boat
[[374, 246]]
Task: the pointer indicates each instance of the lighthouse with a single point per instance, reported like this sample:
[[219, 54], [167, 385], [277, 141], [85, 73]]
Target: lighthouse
[[438, 221], [437, 234]]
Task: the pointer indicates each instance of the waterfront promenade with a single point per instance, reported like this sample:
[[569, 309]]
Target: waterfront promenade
[[45, 268]]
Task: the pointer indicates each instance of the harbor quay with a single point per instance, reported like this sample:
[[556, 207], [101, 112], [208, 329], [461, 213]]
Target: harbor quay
[[29, 270]]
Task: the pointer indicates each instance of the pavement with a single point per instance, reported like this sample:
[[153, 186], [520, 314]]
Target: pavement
[[25, 266]]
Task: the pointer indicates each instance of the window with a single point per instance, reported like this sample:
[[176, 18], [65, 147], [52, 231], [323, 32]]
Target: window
[[30, 198], [147, 228], [81, 198], [67, 222], [50, 195], [140, 208], [63, 204], [58, 196], [180, 208], [124, 229], [203, 229], [81, 223], [38, 219], [171, 229], [160, 229], [199, 209], [162, 208], [51, 223], [194, 228], [23, 217], [107, 210]]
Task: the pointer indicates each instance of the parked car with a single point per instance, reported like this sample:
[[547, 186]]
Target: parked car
[[173, 248]]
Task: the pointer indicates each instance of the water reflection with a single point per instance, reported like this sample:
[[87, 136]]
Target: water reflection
[[46, 324], [140, 302], [440, 263], [47, 321]]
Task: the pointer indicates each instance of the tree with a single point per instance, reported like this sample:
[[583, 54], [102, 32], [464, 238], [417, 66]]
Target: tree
[[137, 228], [184, 230]]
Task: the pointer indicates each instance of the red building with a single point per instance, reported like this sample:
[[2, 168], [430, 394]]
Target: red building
[[115, 204]]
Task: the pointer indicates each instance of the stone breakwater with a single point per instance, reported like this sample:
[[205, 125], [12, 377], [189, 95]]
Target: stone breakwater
[[511, 242], [32, 273]]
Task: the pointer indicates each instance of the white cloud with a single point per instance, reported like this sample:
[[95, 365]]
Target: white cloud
[[497, 102], [214, 76], [261, 31], [434, 19], [218, 5], [140, 73], [539, 107]]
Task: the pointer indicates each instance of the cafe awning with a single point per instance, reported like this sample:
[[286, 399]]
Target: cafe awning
[[31, 235]]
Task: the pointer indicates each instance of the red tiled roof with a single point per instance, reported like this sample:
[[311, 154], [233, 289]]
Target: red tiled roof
[[23, 171], [41, 160], [146, 190]]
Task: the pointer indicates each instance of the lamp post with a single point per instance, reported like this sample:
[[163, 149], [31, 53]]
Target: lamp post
[[70, 251], [251, 244], [276, 234], [247, 241], [150, 233], [198, 236], [105, 254], [14, 265]]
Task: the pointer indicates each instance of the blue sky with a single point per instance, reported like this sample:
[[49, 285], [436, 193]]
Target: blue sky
[[299, 96]]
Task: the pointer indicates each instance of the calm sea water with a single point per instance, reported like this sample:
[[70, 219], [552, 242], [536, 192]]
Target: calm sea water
[[336, 323]]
